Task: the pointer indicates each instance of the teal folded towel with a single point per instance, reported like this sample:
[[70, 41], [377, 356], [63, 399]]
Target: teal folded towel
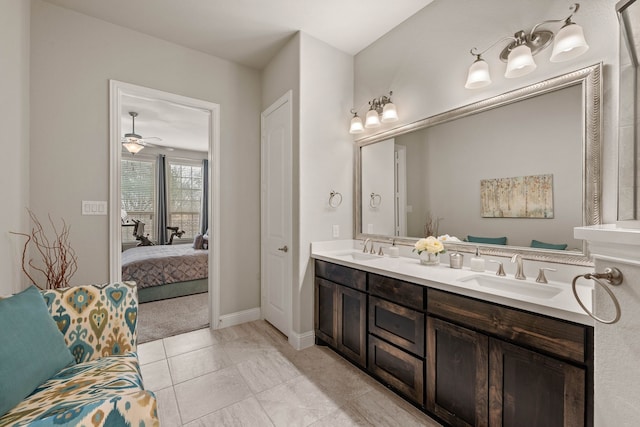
[[488, 240]]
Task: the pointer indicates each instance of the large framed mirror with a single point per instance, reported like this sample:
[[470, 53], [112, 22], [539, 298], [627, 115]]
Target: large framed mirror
[[629, 116], [447, 173]]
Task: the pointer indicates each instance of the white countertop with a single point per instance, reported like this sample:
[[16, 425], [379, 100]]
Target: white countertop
[[407, 267]]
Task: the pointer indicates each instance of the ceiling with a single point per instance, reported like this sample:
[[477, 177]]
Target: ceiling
[[248, 32], [251, 32]]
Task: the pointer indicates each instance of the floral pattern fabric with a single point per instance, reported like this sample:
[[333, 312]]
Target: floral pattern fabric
[[96, 320]]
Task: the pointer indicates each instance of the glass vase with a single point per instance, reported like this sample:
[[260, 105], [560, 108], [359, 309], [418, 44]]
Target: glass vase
[[428, 258]]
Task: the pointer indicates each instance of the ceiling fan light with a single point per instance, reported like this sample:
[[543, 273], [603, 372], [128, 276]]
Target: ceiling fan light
[[569, 43], [478, 75], [133, 147], [520, 62]]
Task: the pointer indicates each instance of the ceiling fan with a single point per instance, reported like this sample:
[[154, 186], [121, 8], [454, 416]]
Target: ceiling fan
[[134, 142]]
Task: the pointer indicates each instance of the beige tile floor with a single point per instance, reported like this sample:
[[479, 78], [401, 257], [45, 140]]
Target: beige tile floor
[[248, 375]]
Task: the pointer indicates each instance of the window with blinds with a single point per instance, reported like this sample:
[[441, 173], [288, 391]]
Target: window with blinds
[[185, 196], [138, 196]]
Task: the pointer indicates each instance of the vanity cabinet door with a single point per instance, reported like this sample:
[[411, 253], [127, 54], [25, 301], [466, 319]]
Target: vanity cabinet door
[[528, 389], [326, 314], [352, 324], [457, 374]]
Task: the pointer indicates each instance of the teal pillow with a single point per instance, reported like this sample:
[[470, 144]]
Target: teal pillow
[[32, 348], [543, 245], [488, 240]]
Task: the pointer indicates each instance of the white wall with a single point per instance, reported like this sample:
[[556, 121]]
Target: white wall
[[14, 122], [425, 61], [325, 159], [73, 57], [321, 78]]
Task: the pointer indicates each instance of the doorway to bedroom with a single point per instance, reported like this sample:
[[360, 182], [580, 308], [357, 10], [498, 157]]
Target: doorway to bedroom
[[164, 207]]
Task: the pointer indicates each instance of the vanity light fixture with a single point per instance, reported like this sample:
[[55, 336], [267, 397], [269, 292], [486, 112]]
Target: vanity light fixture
[[381, 110], [568, 43]]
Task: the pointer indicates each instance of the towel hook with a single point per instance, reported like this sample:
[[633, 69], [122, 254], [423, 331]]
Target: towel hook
[[611, 276]]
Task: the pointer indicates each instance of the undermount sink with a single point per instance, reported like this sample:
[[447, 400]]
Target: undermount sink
[[513, 286], [357, 255]]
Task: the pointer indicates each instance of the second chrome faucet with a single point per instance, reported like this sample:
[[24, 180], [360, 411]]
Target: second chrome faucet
[[517, 258]]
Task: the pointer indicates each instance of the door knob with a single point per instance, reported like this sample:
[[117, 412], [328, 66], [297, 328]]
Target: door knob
[[284, 249]]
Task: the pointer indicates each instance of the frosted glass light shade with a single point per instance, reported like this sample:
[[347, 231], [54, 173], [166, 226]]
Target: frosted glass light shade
[[569, 43], [520, 62], [133, 147], [478, 75], [356, 125], [372, 120], [389, 113]]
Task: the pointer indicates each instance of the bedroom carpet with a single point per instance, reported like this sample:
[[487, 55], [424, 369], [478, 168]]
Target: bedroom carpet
[[165, 318]]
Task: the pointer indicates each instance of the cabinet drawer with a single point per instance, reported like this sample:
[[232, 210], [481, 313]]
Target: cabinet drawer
[[397, 368], [399, 325], [400, 292], [342, 275], [557, 337]]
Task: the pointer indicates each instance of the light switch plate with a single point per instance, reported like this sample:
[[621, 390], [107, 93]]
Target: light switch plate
[[336, 231], [92, 207]]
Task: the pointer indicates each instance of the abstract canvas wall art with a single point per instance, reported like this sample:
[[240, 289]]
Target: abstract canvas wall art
[[518, 197]]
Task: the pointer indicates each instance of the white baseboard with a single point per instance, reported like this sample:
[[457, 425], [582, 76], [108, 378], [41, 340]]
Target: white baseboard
[[301, 341], [239, 317]]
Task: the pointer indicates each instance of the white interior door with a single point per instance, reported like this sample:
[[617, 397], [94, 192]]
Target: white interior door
[[276, 258]]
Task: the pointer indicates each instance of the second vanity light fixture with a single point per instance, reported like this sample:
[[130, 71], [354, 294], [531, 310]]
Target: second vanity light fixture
[[381, 109], [568, 43]]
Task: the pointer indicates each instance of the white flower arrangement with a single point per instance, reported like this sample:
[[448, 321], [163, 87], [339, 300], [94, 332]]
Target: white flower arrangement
[[430, 244], [434, 245]]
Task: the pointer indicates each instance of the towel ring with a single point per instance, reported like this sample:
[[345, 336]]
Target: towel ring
[[375, 200], [335, 199], [611, 276]]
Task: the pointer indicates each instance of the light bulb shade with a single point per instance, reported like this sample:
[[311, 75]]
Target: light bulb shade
[[478, 75], [569, 43], [520, 62], [389, 113], [372, 120], [356, 125], [132, 147]]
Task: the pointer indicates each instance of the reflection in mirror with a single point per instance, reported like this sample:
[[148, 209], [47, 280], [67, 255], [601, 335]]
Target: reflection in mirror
[[629, 117], [544, 138]]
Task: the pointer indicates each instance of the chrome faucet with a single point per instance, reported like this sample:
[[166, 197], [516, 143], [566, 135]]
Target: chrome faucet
[[517, 258], [364, 245]]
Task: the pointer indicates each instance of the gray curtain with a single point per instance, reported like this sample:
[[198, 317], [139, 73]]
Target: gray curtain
[[162, 200], [204, 208]]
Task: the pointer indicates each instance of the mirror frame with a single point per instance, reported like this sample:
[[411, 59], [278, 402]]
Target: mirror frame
[[590, 79]]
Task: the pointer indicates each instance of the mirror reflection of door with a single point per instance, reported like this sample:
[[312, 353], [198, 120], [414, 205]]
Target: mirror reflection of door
[[164, 215]]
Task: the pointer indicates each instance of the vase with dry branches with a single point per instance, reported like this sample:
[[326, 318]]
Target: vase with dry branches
[[431, 225], [58, 261]]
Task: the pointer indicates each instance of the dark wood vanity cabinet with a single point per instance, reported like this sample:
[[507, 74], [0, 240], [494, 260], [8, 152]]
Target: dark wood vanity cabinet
[[341, 310], [465, 361], [490, 365]]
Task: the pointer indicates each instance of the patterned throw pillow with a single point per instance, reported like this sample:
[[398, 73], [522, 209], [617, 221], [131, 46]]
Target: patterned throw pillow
[[32, 349]]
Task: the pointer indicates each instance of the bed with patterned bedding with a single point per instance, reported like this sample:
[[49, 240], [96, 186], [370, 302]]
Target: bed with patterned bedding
[[176, 269]]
